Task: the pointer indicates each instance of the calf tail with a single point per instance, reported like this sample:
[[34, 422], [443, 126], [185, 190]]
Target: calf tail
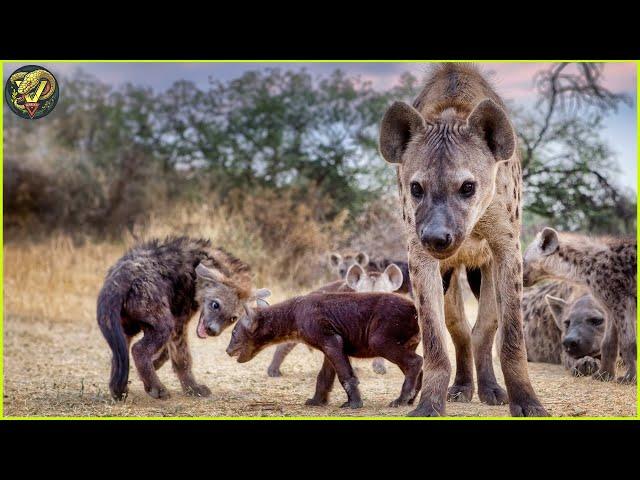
[[110, 303]]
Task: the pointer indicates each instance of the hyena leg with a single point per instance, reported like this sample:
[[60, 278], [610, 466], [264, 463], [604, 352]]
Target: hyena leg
[[324, 384], [628, 348], [333, 349], [484, 332], [281, 352], [379, 366], [456, 321], [608, 351], [160, 358], [155, 337], [507, 278], [426, 283], [181, 362]]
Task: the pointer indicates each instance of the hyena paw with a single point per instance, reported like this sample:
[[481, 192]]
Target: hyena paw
[[585, 366], [603, 376], [274, 372], [628, 378], [528, 407], [492, 394], [460, 393], [428, 409], [399, 402], [160, 393], [315, 402], [379, 366], [352, 404], [198, 391]]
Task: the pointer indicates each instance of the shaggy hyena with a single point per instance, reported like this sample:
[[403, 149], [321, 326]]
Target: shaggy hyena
[[341, 325], [357, 280], [342, 261], [459, 179], [607, 266], [563, 324], [153, 289]]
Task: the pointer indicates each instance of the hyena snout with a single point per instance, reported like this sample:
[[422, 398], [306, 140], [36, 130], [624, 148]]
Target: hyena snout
[[437, 239], [573, 346]]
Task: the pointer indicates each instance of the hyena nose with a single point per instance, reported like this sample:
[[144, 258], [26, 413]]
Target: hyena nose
[[569, 344], [437, 239]]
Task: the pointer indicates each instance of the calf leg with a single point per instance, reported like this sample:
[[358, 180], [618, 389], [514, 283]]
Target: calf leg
[[181, 363], [155, 337], [456, 321], [608, 351], [333, 349], [324, 384], [161, 358], [411, 365], [483, 334], [279, 355]]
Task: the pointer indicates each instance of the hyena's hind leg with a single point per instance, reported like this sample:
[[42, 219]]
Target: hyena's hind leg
[[156, 334], [279, 355], [181, 362]]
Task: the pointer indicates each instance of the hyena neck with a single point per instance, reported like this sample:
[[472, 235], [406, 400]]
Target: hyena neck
[[276, 326], [575, 263]]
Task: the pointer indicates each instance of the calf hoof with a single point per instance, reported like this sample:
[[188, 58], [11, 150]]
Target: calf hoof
[[460, 393], [159, 393], [379, 367], [628, 378], [198, 391], [585, 366], [399, 402], [352, 404], [603, 376], [314, 402], [493, 394], [427, 410], [527, 408], [274, 372]]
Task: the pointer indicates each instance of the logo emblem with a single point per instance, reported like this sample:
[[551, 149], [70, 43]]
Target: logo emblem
[[32, 92]]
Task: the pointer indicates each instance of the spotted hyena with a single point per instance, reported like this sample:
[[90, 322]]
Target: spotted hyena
[[156, 288], [459, 179], [563, 324], [341, 262], [607, 266]]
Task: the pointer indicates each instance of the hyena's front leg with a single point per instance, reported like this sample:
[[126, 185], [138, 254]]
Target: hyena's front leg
[[507, 267], [484, 332], [181, 363], [426, 283], [628, 348], [608, 351], [456, 320]]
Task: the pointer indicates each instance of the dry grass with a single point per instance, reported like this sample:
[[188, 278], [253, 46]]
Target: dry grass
[[56, 362]]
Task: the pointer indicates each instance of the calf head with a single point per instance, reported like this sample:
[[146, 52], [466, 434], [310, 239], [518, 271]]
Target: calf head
[[221, 300], [447, 169], [246, 337], [342, 262], [581, 322], [539, 259], [361, 281]]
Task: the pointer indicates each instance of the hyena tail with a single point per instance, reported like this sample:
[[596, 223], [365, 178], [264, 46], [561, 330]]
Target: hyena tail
[[110, 303]]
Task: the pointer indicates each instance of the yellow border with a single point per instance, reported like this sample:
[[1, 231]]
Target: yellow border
[[27, 62]]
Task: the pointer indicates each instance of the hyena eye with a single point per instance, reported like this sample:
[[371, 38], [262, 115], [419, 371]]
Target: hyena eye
[[596, 321], [416, 190], [566, 323], [215, 305], [467, 189]]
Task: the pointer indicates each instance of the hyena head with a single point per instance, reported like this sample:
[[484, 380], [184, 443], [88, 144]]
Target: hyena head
[[361, 281], [538, 258], [447, 169], [581, 322], [245, 338], [221, 300], [341, 263]]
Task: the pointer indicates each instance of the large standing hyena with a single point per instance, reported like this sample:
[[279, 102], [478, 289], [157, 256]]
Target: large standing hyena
[[563, 324], [153, 289], [459, 179], [608, 267]]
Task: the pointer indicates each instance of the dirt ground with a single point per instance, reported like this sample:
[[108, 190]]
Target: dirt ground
[[60, 367]]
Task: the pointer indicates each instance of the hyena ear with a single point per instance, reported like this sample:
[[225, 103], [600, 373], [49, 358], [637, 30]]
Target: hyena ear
[[490, 122], [395, 276], [557, 306], [548, 242], [335, 259], [400, 122], [354, 274], [362, 258], [210, 274]]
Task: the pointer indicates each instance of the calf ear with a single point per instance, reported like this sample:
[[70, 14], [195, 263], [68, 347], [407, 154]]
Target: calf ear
[[363, 259], [548, 242], [557, 306], [249, 320], [335, 258], [210, 274], [400, 122], [490, 123], [354, 274], [260, 295], [395, 276]]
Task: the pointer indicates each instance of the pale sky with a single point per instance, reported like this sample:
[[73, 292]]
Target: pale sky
[[512, 80]]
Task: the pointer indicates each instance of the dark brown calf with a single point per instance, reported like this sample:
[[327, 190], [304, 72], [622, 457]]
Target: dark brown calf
[[340, 325]]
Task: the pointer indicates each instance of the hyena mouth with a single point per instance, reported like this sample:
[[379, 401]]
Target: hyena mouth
[[201, 331]]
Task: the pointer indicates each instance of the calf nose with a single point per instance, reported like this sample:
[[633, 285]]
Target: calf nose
[[438, 239]]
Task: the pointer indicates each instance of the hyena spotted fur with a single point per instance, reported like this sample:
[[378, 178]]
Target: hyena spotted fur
[[607, 266], [563, 324], [459, 179], [156, 288]]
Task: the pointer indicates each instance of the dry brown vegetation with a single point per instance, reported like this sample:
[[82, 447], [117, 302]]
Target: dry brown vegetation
[[56, 362]]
